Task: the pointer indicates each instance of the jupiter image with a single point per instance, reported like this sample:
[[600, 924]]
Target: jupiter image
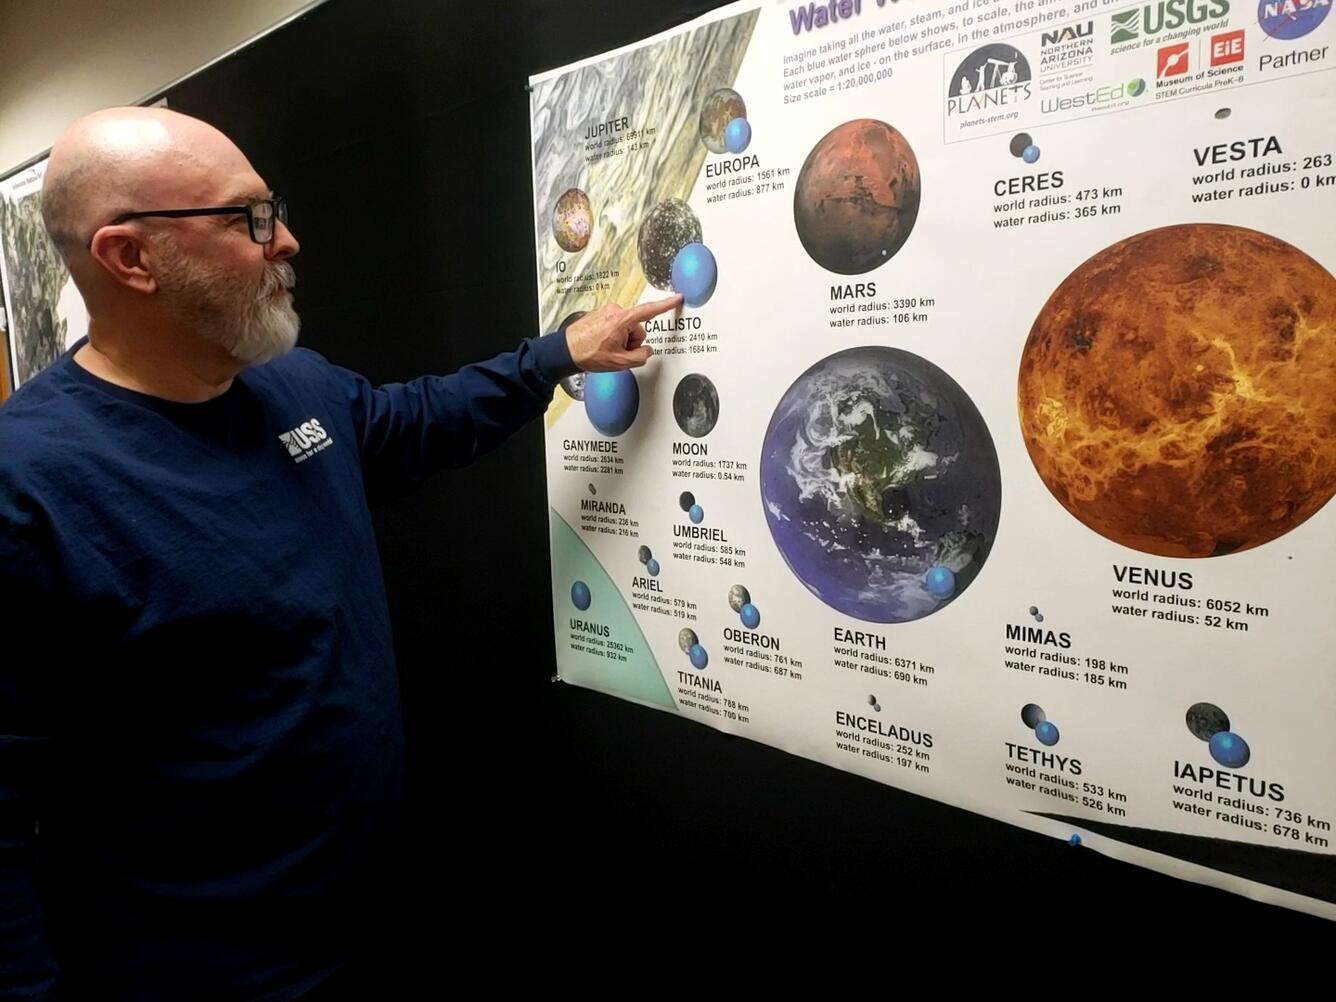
[[1177, 392]]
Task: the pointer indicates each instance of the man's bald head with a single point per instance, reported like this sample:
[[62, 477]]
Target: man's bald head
[[131, 159]]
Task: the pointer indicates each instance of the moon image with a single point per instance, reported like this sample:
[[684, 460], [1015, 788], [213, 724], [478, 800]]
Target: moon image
[[572, 220], [669, 227], [857, 197], [687, 639], [719, 109], [696, 405], [573, 385], [1206, 720], [738, 596], [1177, 392]]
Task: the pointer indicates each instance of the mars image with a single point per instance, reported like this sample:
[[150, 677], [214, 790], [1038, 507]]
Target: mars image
[[1177, 392], [857, 197]]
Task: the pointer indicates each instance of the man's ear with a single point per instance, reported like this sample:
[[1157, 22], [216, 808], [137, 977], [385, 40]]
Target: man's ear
[[121, 251]]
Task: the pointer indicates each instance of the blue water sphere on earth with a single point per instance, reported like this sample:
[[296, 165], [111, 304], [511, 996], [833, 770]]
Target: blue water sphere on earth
[[699, 659], [1230, 750], [694, 275], [696, 514], [1030, 154], [580, 595], [737, 135], [1046, 732], [940, 581], [652, 566], [611, 401], [751, 616]]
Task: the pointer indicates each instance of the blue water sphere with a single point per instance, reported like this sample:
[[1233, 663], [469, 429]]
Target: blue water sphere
[[699, 659], [1047, 732], [581, 596], [737, 135], [696, 514], [611, 401], [751, 616], [694, 275], [1030, 154], [940, 581], [1230, 750], [652, 566]]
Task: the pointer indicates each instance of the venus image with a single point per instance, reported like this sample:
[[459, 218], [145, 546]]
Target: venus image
[[1177, 392]]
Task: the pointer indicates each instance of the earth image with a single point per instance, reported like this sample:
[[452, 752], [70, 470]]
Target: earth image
[[876, 469]]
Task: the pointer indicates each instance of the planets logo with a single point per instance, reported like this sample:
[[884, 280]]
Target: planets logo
[[1291, 19], [990, 77]]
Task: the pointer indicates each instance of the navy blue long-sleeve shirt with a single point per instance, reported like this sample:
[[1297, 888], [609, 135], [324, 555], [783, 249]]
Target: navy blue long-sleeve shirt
[[201, 750]]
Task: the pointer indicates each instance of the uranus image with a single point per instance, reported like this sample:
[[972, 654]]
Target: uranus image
[[581, 597], [611, 400]]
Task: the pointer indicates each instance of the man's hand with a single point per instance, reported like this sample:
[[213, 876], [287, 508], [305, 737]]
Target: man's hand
[[610, 337]]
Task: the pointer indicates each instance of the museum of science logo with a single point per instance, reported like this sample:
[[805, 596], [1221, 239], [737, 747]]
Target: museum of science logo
[[995, 76], [1162, 21], [1291, 19]]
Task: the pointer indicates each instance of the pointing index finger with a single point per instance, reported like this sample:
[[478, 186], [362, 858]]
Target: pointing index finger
[[641, 313]]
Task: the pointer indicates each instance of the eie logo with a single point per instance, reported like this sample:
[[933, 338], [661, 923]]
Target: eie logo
[[1171, 61], [1227, 48]]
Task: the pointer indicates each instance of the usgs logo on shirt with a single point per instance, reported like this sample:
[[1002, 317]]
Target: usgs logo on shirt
[[306, 440]]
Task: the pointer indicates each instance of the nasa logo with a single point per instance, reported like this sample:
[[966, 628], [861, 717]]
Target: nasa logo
[[1291, 19]]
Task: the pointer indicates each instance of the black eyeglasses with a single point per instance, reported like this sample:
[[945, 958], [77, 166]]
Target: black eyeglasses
[[260, 216]]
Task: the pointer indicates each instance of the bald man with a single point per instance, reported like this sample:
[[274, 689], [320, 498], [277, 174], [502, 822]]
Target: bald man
[[201, 753]]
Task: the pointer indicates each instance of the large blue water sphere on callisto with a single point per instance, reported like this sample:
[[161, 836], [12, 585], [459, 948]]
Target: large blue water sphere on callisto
[[612, 400], [694, 274], [737, 135]]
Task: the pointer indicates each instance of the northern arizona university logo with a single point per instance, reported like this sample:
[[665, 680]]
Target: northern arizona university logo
[[306, 440]]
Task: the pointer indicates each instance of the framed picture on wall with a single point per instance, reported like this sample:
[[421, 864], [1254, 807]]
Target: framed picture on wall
[[46, 314]]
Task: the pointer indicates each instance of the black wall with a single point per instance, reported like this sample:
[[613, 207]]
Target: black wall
[[399, 132]]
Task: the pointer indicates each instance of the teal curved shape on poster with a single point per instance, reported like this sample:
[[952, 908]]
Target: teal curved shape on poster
[[638, 677]]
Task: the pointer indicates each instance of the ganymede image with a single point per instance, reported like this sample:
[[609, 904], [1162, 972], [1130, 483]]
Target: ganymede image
[[696, 405], [880, 484], [857, 197], [572, 220], [669, 227], [1177, 392]]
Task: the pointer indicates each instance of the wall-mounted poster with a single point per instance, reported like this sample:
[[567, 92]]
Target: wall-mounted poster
[[46, 313], [991, 454]]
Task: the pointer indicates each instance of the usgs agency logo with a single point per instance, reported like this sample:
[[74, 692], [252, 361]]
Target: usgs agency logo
[[1291, 19], [305, 440], [993, 77], [1157, 22]]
